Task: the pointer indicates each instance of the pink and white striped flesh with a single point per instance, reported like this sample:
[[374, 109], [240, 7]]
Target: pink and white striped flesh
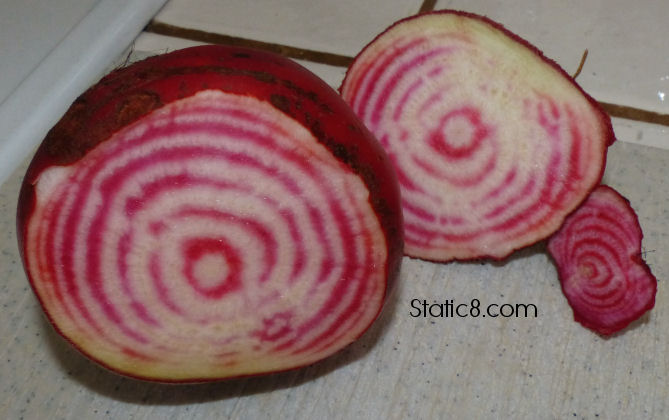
[[493, 143], [216, 236], [598, 255]]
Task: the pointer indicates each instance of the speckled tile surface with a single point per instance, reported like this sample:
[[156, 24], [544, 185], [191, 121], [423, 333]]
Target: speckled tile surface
[[545, 367]]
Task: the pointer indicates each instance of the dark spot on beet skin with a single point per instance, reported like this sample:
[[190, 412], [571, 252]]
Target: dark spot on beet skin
[[281, 103], [137, 105]]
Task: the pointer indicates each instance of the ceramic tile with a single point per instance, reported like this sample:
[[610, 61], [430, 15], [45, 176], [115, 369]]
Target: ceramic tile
[[149, 43], [628, 59], [641, 133], [341, 27]]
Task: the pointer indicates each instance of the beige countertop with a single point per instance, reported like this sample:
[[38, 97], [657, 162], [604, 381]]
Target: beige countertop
[[536, 367]]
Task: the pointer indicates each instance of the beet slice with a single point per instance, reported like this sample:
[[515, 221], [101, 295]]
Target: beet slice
[[210, 213], [493, 143], [598, 256]]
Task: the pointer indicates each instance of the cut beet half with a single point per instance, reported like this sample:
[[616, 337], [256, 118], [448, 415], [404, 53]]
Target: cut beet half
[[492, 142], [210, 213], [598, 256]]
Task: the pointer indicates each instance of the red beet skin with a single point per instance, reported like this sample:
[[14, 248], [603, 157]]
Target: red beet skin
[[598, 256], [493, 143], [210, 213]]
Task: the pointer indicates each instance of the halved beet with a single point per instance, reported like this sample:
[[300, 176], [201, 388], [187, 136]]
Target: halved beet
[[598, 255], [210, 213], [493, 143]]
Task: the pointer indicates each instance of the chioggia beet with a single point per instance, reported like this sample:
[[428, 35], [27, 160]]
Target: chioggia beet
[[493, 143], [598, 256], [210, 213]]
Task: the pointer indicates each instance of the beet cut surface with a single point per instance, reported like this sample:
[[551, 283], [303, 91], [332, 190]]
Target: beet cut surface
[[598, 255], [492, 142], [210, 213]]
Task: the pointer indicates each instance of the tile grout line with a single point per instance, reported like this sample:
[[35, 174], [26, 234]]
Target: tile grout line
[[427, 6], [216, 38], [339, 60], [635, 114]]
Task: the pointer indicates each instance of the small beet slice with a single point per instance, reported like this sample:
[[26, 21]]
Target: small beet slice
[[598, 256], [210, 213], [493, 143]]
